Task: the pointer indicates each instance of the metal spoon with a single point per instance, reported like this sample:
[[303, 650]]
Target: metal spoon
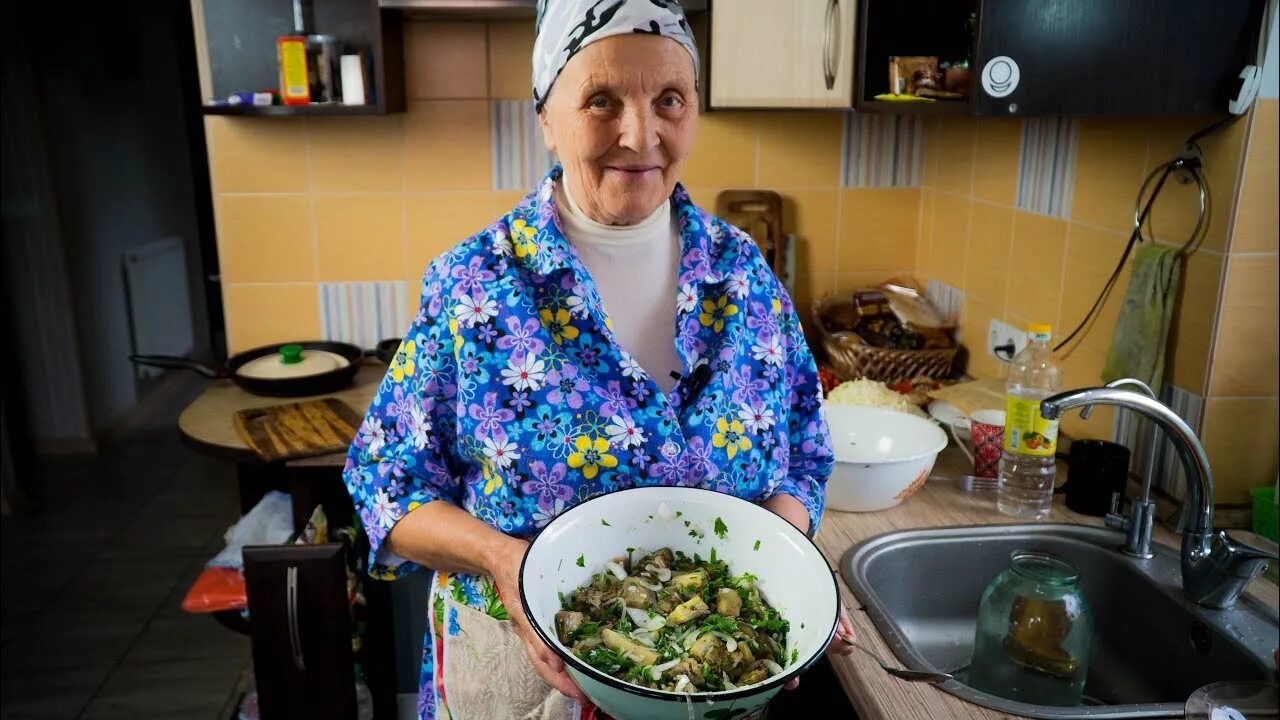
[[902, 673]]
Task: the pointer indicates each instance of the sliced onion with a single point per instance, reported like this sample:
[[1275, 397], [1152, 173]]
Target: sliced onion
[[689, 639], [682, 681], [590, 642], [665, 512], [728, 684], [644, 637], [617, 570], [656, 671], [729, 643], [773, 667], [634, 657], [648, 586], [662, 574], [638, 616], [655, 623]]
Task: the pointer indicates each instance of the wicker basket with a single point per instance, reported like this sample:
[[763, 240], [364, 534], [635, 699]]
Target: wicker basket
[[851, 358]]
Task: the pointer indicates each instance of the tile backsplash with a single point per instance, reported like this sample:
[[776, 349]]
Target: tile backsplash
[[326, 224], [1026, 219], [327, 205]]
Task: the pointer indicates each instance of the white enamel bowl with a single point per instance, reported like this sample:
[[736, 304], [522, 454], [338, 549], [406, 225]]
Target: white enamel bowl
[[793, 577], [882, 456]]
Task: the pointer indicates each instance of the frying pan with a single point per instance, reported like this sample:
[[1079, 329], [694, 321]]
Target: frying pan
[[317, 384]]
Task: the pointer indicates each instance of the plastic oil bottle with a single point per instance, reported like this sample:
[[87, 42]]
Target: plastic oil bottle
[[1028, 466]]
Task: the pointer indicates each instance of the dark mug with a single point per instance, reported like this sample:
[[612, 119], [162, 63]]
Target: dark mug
[[1095, 470]]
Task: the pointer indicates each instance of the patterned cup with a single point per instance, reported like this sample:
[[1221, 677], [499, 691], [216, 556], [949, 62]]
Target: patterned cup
[[986, 436]]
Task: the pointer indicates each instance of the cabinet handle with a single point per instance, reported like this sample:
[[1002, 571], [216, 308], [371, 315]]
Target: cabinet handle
[[829, 64], [291, 601]]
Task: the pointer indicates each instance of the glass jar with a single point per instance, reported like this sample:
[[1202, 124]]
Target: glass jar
[[1035, 631]]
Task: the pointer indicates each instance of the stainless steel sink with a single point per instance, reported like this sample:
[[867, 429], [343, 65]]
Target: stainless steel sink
[[1151, 647]]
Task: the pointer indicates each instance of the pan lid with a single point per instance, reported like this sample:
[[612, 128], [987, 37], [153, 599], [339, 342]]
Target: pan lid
[[292, 361]]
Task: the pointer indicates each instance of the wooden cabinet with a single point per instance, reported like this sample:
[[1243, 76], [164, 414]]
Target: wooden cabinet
[[782, 54]]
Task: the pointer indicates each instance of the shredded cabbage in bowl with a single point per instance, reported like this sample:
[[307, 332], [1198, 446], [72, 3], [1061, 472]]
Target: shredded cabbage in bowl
[[871, 393]]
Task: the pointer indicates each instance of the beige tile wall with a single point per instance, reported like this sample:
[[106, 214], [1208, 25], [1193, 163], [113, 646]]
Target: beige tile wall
[[1242, 414], [301, 202], [1021, 266]]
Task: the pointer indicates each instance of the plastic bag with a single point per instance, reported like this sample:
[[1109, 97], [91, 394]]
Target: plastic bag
[[270, 522], [221, 586], [216, 590]]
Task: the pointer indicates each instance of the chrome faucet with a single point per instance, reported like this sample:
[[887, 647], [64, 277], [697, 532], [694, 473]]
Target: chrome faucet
[[1215, 567], [1142, 512]]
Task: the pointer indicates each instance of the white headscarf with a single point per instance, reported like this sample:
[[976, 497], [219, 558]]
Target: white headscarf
[[566, 26]]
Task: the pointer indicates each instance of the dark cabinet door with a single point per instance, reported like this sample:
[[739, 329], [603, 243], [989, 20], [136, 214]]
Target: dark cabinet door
[[1112, 57], [300, 620]]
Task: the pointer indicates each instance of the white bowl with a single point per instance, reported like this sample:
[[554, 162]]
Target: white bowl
[[882, 456], [794, 578]]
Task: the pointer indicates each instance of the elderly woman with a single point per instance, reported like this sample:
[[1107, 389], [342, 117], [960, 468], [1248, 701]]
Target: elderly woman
[[605, 334]]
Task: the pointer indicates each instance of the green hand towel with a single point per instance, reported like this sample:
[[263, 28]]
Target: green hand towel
[[1142, 329]]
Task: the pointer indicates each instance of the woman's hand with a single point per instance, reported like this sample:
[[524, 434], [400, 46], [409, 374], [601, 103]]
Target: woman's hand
[[842, 643], [504, 566]]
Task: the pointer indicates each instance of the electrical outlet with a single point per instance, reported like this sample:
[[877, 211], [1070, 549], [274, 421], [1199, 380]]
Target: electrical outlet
[[1003, 335]]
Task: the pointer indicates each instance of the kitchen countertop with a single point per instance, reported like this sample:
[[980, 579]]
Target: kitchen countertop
[[874, 693]]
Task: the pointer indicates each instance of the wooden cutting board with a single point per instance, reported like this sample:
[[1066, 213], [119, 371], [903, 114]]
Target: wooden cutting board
[[297, 429], [759, 213]]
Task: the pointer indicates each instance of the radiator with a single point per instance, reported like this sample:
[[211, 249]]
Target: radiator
[[155, 281]]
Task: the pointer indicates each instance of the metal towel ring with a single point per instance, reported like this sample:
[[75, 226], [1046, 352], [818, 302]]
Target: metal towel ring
[[1188, 162]]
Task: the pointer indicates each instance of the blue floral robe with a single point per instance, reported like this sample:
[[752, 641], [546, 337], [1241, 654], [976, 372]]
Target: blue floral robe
[[511, 398]]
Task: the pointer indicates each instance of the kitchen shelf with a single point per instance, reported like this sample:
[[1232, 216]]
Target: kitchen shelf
[[939, 107], [312, 110], [241, 35]]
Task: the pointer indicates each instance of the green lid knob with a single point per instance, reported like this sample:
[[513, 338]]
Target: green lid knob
[[290, 354]]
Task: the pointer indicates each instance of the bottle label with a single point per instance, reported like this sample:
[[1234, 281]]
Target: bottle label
[[1025, 431]]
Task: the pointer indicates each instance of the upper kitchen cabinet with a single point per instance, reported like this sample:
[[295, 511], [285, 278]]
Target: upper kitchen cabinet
[[1111, 57], [775, 54], [241, 35]]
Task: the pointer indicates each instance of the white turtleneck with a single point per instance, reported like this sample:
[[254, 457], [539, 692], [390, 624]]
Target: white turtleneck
[[635, 268]]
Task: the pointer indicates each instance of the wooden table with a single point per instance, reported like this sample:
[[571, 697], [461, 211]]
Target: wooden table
[[875, 694], [206, 422]]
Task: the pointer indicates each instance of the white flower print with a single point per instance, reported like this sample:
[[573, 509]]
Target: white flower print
[[472, 311], [769, 351], [500, 452], [577, 301], [686, 299], [544, 515], [386, 510], [756, 419], [501, 243], [631, 368], [419, 427], [737, 286], [623, 431], [525, 373], [372, 435]]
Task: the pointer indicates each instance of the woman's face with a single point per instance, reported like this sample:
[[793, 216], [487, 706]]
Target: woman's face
[[622, 117]]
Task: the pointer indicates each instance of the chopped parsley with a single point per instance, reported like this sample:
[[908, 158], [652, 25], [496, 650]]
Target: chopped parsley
[[716, 622], [606, 660], [721, 529], [756, 547], [795, 655], [605, 522], [582, 561], [679, 513]]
